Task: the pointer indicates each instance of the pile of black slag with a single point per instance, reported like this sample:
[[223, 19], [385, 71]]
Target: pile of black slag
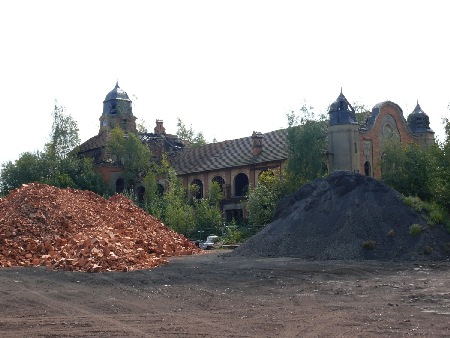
[[347, 216]]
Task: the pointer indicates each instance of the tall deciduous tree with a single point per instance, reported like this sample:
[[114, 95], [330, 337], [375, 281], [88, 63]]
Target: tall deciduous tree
[[64, 136], [307, 144], [129, 151], [263, 198], [189, 135], [58, 165]]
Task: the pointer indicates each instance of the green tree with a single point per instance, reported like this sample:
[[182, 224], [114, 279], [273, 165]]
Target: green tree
[[128, 151], [58, 165], [29, 167], [412, 169], [208, 216], [361, 112], [178, 215], [64, 135], [189, 135], [307, 144], [263, 199]]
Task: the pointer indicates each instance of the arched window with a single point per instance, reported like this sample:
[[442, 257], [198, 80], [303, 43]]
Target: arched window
[[367, 169], [140, 194], [160, 189], [120, 185], [219, 180], [198, 194], [240, 185]]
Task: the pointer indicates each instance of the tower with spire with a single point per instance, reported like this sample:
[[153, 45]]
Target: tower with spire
[[117, 111], [419, 125], [343, 136]]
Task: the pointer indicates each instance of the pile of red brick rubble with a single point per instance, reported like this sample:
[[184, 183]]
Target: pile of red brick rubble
[[77, 230]]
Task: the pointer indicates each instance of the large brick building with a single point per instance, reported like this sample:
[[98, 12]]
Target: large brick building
[[358, 146], [237, 164]]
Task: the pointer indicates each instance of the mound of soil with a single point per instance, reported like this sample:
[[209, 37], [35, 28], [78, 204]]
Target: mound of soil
[[347, 216], [78, 230]]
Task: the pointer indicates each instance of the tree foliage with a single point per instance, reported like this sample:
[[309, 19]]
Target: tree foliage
[[419, 171], [64, 135], [263, 198], [410, 168], [189, 135], [128, 151], [307, 144], [57, 165], [361, 112]]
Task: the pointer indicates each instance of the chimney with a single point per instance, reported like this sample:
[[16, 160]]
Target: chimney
[[257, 139], [159, 129]]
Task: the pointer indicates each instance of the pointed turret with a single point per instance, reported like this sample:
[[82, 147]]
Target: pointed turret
[[341, 112], [418, 121], [117, 110]]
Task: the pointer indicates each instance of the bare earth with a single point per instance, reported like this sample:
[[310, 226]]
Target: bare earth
[[213, 295]]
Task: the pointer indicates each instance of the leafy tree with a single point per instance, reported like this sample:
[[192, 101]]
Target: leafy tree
[[129, 151], [29, 167], [58, 165], [178, 214], [307, 144], [361, 112], [414, 170], [141, 126], [208, 216], [262, 199], [64, 136], [189, 135]]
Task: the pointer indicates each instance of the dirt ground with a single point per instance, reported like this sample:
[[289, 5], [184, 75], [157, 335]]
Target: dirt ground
[[214, 295]]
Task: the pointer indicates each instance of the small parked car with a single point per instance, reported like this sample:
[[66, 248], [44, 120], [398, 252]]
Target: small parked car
[[211, 242]]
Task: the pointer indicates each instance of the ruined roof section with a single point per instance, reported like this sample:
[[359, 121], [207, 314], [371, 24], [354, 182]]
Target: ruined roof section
[[98, 141], [376, 110], [231, 153]]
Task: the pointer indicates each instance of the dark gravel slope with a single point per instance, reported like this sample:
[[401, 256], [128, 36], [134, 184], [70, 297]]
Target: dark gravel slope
[[347, 216]]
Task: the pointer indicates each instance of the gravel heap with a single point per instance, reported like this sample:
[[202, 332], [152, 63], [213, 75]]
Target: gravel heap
[[347, 216], [77, 230]]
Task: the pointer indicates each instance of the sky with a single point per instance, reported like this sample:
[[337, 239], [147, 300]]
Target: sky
[[225, 68]]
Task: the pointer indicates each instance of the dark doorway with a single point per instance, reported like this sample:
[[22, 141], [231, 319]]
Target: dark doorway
[[367, 169], [120, 185], [240, 185]]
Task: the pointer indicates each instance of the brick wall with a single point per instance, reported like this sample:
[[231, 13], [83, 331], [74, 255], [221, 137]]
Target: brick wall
[[375, 135]]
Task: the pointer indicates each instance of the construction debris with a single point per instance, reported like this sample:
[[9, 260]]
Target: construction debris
[[77, 230], [347, 216]]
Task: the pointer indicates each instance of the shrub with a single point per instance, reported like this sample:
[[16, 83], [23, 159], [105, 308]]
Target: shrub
[[415, 202], [428, 250], [369, 244], [437, 214], [415, 229]]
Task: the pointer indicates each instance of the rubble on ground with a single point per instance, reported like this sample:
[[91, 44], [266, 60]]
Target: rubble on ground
[[347, 216], [77, 230]]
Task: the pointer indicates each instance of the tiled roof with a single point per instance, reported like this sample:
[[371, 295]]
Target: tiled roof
[[98, 141], [231, 153]]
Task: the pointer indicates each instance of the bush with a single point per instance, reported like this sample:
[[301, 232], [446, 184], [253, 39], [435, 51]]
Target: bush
[[428, 250], [437, 214], [415, 202], [369, 244], [415, 229], [234, 234]]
